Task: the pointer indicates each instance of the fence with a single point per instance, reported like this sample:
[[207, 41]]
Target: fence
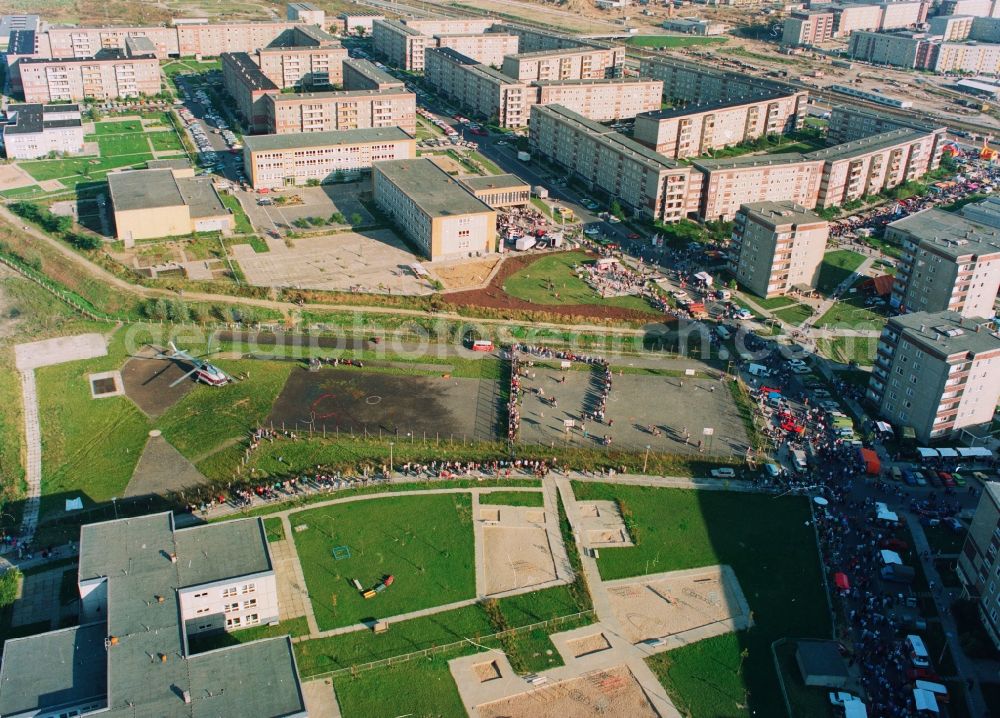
[[392, 660], [54, 290]]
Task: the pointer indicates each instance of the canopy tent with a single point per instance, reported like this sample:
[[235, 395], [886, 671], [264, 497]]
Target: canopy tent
[[926, 453], [889, 557], [842, 581], [975, 452], [948, 453], [872, 465], [883, 513], [855, 709], [925, 700], [883, 427]]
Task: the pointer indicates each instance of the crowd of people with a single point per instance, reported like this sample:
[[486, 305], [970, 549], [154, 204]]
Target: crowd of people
[[611, 278], [513, 413]]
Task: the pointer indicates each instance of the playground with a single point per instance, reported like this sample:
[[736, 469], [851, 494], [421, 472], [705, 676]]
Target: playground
[[517, 546], [425, 542], [359, 401]]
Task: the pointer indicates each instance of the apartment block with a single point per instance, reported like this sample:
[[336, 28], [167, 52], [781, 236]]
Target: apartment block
[[949, 262], [647, 183], [776, 247], [727, 184], [869, 165], [305, 12], [276, 161], [976, 58], [246, 83], [400, 45], [848, 122], [345, 110], [145, 587], [478, 89], [498, 190], [602, 100], [108, 75], [33, 131], [685, 81], [936, 372], [300, 66], [807, 27], [533, 39], [357, 22], [433, 209], [583, 63], [976, 8], [848, 17], [488, 48], [984, 29], [403, 42], [979, 561], [899, 49], [16, 24], [699, 128], [364, 75], [951, 27]]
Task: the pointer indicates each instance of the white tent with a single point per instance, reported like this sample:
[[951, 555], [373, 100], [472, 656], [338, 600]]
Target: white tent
[[926, 453], [883, 427], [975, 452], [855, 709], [889, 557], [925, 700], [882, 513], [948, 453]]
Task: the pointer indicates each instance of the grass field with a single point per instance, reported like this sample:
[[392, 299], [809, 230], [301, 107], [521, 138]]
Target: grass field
[[513, 498], [669, 42], [425, 542], [852, 313], [836, 267], [847, 349], [773, 303], [118, 127], [129, 144], [274, 528], [794, 314], [552, 281], [772, 549], [243, 225], [165, 141], [81, 169]]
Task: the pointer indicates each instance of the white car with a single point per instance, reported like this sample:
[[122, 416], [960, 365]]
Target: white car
[[725, 473], [796, 362], [800, 369]]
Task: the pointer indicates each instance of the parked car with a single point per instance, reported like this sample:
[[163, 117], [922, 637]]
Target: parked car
[[724, 473]]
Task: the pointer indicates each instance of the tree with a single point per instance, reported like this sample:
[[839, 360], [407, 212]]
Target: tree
[[179, 311], [160, 311], [616, 210], [83, 241], [356, 219]]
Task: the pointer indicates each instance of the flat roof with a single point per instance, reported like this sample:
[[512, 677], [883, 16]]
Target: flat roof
[[200, 197], [397, 25], [950, 234], [106, 54], [369, 70], [431, 188], [215, 552], [695, 108], [250, 72], [538, 54], [334, 94], [58, 669], [31, 118], [143, 189], [598, 81], [781, 212], [140, 45], [21, 42], [178, 164], [855, 111], [294, 140], [478, 183], [927, 330], [867, 144], [728, 163], [11, 23], [456, 56]]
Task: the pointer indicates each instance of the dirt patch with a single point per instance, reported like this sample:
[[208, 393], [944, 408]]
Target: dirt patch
[[457, 276], [486, 671], [162, 470], [12, 176], [516, 558], [147, 381], [611, 692], [489, 514], [358, 401], [589, 644], [494, 297]]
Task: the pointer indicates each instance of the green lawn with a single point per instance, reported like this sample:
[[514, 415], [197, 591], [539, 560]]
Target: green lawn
[[274, 528], [425, 542], [852, 313], [512, 498], [117, 127], [81, 169], [773, 303], [772, 549], [552, 281], [836, 267], [847, 349], [289, 627], [795, 314], [165, 141], [243, 225], [672, 41], [130, 144]]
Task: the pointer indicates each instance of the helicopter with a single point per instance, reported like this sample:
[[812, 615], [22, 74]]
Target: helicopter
[[202, 370]]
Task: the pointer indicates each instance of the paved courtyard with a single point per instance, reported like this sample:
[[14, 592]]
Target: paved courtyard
[[636, 402], [369, 261], [315, 202]]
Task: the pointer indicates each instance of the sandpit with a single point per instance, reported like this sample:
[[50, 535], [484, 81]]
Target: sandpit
[[516, 557], [708, 601], [465, 274], [610, 692], [602, 524], [589, 644], [488, 671]]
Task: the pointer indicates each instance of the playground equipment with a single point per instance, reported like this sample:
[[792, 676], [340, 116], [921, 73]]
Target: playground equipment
[[379, 587], [341, 552]]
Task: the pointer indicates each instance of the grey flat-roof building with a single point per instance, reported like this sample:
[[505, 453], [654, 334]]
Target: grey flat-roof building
[[35, 130], [950, 261], [936, 372]]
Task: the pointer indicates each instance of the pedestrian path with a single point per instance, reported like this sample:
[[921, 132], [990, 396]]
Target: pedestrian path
[[33, 455]]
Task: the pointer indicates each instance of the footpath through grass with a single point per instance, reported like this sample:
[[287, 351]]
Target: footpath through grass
[[773, 551], [424, 541]]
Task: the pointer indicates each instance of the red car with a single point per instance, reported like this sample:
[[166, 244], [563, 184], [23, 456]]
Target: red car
[[922, 674], [946, 479], [633, 235], [894, 544]]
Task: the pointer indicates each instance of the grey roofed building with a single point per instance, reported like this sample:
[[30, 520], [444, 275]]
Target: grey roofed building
[[144, 563], [430, 187], [22, 42], [263, 143], [369, 70], [14, 23], [250, 72], [178, 164], [153, 188], [478, 183], [594, 81], [945, 333], [693, 108], [782, 213], [821, 663], [728, 163], [53, 671], [200, 196], [140, 45], [949, 234], [31, 118], [333, 94], [866, 144]]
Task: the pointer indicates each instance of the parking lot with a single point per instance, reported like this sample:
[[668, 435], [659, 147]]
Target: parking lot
[[278, 212], [370, 261]]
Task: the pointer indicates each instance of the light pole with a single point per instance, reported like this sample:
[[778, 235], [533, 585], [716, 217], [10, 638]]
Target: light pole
[[391, 444], [645, 459]]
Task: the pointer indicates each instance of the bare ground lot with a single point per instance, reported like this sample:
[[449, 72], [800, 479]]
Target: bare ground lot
[[516, 557], [610, 692], [636, 402], [312, 202], [355, 400], [369, 261], [464, 274]]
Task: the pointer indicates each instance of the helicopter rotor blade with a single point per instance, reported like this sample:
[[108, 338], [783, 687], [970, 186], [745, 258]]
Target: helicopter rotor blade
[[185, 376]]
